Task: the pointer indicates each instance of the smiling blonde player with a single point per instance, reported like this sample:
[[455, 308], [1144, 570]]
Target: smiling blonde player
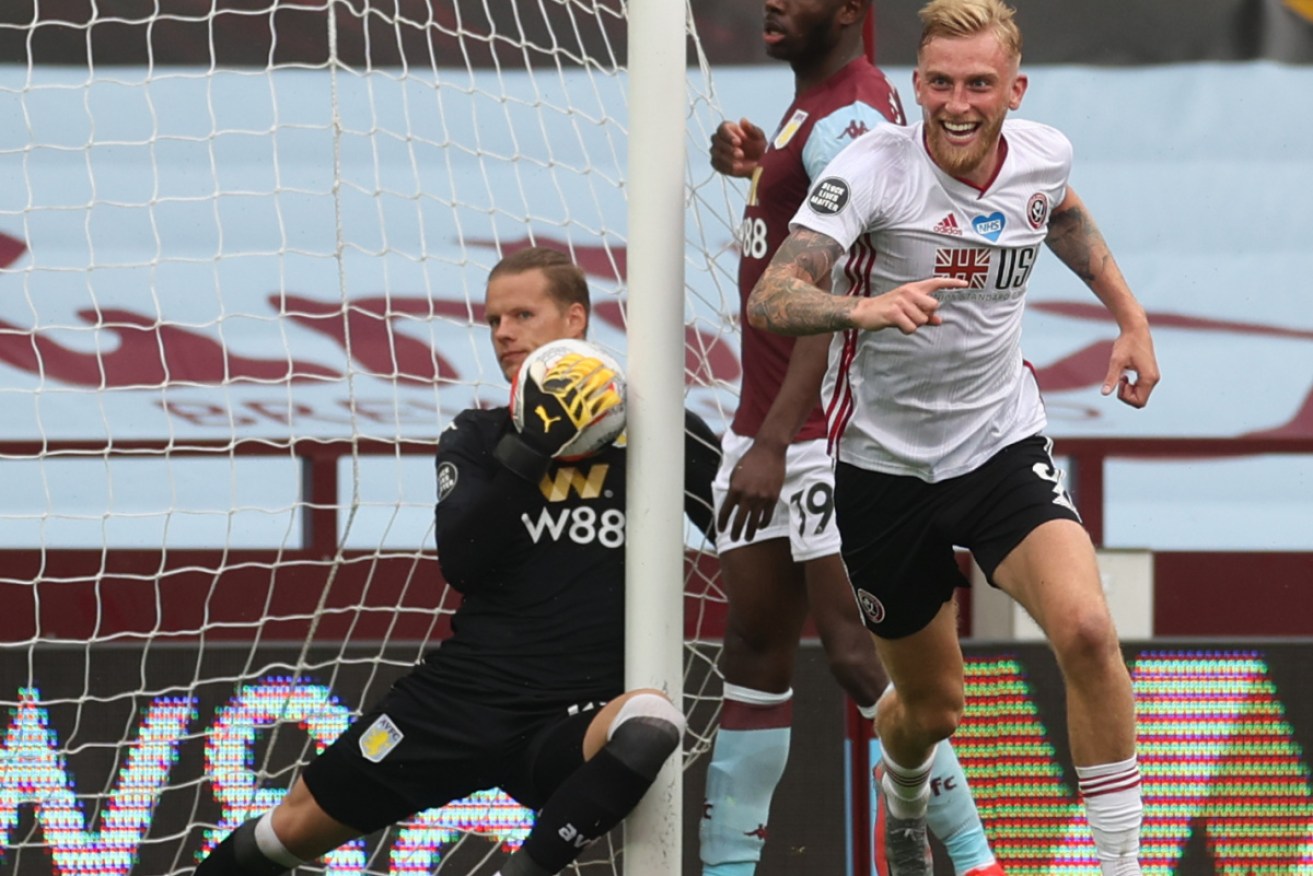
[[777, 537], [938, 425]]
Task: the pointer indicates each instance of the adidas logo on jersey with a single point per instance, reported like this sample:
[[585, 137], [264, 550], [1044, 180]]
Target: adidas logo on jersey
[[948, 225]]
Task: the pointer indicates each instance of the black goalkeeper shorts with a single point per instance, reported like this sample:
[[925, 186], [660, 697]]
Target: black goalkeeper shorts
[[424, 746]]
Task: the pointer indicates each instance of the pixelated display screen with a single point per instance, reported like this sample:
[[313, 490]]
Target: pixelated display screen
[[96, 780], [1223, 742]]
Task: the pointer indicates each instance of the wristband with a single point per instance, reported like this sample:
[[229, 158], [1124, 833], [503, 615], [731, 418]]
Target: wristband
[[522, 460]]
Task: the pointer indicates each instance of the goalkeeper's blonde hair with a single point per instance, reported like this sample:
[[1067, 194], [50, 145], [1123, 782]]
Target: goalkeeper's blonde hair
[[965, 18], [565, 280]]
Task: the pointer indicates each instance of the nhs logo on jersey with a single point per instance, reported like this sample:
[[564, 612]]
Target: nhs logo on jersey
[[989, 227]]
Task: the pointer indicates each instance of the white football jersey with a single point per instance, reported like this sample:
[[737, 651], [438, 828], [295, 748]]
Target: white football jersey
[[939, 402]]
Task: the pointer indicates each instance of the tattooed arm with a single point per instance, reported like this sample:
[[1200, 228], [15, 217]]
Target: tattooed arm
[[1075, 239], [789, 300], [788, 297]]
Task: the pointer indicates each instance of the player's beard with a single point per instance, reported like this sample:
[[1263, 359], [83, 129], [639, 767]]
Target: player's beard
[[961, 161], [805, 48]]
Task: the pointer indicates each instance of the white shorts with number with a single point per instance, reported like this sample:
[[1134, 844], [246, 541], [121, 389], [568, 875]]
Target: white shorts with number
[[805, 511]]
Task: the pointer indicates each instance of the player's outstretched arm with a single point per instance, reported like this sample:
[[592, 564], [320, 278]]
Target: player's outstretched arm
[[789, 298], [737, 147], [1075, 239]]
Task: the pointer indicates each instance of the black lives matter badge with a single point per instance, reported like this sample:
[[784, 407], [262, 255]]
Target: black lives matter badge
[[829, 196], [446, 480]]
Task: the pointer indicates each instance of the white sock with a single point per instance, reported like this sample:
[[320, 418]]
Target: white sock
[[908, 790], [1115, 809]]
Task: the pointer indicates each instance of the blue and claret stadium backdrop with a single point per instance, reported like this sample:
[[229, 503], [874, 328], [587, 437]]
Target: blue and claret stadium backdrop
[[97, 779]]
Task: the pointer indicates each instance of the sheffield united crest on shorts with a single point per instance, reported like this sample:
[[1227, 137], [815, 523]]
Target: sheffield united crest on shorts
[[871, 607]]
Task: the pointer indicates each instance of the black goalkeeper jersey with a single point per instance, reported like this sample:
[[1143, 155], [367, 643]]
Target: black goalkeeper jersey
[[540, 566]]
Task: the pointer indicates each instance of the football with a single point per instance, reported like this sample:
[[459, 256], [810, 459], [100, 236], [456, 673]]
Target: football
[[597, 434]]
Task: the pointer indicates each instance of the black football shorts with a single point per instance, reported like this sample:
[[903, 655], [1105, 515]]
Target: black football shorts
[[424, 745], [899, 532]]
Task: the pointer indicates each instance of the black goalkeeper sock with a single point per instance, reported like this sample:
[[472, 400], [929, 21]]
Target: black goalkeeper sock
[[596, 797], [238, 855]]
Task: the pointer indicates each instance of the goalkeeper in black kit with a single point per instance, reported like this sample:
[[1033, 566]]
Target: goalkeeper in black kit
[[528, 692]]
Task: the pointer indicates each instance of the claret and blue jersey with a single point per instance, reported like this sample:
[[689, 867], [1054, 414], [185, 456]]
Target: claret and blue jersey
[[817, 126]]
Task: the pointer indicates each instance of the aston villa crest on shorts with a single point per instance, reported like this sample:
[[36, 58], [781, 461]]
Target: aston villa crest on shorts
[[378, 741]]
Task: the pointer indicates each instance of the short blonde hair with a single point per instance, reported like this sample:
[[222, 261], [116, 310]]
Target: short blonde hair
[[964, 18], [566, 283]]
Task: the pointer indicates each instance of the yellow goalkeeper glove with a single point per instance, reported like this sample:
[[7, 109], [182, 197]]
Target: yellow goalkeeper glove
[[557, 405]]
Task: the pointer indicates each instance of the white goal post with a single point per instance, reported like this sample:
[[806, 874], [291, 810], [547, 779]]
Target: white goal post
[[654, 621], [242, 254]]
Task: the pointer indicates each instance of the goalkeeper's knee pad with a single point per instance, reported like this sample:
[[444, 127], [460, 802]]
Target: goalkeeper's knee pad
[[604, 789], [645, 733]]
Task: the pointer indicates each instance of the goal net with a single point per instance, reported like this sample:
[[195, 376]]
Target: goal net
[[242, 253]]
